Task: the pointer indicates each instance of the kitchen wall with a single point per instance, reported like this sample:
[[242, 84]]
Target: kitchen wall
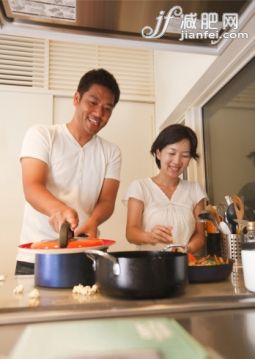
[[176, 74]]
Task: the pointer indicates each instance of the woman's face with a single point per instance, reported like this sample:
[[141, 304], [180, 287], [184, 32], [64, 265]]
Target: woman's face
[[174, 158]]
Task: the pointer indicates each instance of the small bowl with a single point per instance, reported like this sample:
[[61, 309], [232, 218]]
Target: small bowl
[[209, 273]]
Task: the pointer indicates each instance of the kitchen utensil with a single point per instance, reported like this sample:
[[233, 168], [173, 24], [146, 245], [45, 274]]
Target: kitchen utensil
[[224, 228], [63, 267], [209, 273], [232, 249], [231, 217], [242, 224], [228, 199], [214, 212], [248, 261], [239, 206], [140, 274], [66, 234], [208, 216]]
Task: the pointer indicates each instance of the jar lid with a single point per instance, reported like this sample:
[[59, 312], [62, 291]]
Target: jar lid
[[248, 246], [250, 226]]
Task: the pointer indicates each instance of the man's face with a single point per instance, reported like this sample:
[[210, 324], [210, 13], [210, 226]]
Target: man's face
[[94, 108]]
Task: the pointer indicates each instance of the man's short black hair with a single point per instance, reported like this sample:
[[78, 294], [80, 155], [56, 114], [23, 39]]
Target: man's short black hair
[[99, 77]]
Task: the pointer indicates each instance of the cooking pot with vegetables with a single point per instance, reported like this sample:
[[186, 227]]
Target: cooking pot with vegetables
[[140, 274], [61, 263]]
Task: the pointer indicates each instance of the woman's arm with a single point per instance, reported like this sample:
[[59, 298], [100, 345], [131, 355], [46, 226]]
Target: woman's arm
[[197, 240], [134, 229]]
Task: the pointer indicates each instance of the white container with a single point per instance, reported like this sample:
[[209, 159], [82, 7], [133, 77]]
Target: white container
[[248, 261]]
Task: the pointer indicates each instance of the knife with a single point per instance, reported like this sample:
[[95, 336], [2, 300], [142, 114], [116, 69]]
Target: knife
[[66, 234]]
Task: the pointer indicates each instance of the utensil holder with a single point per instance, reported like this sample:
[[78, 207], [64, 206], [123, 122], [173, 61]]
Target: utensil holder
[[231, 248]]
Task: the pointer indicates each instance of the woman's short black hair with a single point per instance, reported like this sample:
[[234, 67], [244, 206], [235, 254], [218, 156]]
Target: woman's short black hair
[[99, 77], [172, 134]]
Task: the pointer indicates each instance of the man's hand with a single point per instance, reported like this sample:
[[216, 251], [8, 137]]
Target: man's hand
[[89, 228], [64, 215]]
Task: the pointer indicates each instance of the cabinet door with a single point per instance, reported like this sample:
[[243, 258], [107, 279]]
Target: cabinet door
[[18, 111]]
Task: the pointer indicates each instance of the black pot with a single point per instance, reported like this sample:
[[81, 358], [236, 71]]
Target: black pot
[[63, 270], [141, 274]]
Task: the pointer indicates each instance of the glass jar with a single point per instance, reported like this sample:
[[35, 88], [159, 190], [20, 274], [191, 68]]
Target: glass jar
[[249, 232]]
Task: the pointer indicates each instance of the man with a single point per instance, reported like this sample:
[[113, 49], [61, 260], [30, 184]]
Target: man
[[69, 173]]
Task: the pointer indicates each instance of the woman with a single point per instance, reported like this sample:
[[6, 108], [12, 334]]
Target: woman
[[163, 209]]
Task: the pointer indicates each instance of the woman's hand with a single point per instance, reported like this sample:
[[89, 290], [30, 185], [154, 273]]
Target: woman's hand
[[134, 230], [161, 234]]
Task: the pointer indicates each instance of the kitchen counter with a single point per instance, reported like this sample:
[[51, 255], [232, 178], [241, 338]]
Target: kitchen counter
[[219, 315], [59, 304]]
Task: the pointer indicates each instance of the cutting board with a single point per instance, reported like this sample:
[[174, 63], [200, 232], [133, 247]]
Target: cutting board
[[130, 338]]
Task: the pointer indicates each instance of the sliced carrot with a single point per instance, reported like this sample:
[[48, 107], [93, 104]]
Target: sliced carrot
[[191, 258], [79, 243], [93, 242]]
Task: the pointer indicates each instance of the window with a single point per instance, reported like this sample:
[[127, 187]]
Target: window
[[229, 140]]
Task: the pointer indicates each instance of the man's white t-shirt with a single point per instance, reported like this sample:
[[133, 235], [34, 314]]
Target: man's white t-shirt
[[76, 174], [176, 212]]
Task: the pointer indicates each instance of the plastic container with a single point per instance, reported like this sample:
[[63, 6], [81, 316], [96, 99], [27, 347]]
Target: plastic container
[[248, 261]]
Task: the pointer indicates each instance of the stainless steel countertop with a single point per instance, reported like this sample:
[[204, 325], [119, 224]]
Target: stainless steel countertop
[[219, 315], [59, 304]]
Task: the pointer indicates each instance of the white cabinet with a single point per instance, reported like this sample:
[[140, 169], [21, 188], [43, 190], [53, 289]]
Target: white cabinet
[[18, 111]]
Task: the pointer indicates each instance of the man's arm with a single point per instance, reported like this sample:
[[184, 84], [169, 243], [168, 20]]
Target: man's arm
[[103, 209], [34, 177]]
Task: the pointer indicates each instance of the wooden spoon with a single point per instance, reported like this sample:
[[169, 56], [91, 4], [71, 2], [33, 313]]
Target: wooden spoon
[[214, 212], [239, 206]]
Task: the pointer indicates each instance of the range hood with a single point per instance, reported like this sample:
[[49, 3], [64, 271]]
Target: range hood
[[115, 18]]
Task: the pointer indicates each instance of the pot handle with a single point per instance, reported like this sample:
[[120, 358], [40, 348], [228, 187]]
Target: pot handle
[[92, 253], [174, 246]]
